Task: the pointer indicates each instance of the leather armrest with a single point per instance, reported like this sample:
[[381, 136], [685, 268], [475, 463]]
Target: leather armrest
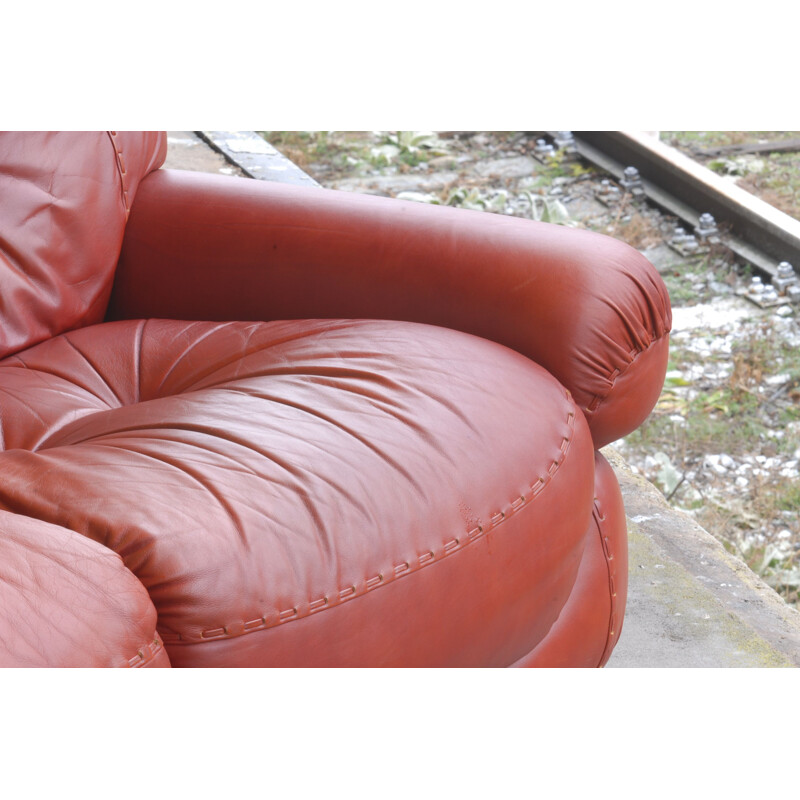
[[590, 309]]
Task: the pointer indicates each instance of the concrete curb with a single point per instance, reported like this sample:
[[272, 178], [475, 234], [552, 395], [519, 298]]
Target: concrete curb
[[690, 601], [254, 156]]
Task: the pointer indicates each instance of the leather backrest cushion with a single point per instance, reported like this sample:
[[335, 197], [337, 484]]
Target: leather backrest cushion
[[64, 201]]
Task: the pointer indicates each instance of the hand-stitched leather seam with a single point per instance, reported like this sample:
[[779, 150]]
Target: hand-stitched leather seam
[[594, 406], [611, 636], [123, 173], [146, 653], [386, 576]]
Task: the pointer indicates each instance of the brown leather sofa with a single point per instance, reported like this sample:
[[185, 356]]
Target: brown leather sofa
[[250, 424]]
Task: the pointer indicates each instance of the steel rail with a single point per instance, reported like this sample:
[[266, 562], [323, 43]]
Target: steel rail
[[754, 230]]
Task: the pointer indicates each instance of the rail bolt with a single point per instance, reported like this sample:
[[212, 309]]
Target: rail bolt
[[785, 278], [678, 235], [683, 242], [632, 182], [706, 229], [631, 178], [769, 295], [565, 140]]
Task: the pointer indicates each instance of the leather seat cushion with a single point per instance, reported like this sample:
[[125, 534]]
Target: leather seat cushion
[[324, 492]]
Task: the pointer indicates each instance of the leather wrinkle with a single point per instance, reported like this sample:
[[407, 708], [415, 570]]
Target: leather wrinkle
[[304, 494], [406, 567], [145, 546], [340, 426], [16, 357], [351, 498], [13, 258], [83, 355], [288, 368], [615, 374], [272, 344], [297, 370], [183, 355], [208, 487], [48, 432], [54, 437], [103, 439], [296, 473], [386, 405], [292, 471]]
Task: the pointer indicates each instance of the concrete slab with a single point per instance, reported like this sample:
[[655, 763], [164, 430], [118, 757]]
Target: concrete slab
[[241, 153], [186, 150], [690, 602], [256, 157]]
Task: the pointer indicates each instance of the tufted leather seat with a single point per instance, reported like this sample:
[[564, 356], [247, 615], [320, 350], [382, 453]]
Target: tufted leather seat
[[366, 452]]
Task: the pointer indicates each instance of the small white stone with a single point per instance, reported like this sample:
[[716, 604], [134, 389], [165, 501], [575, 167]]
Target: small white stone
[[714, 462], [778, 380]]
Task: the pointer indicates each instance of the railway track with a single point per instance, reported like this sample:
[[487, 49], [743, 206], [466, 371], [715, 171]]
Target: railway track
[[756, 232]]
